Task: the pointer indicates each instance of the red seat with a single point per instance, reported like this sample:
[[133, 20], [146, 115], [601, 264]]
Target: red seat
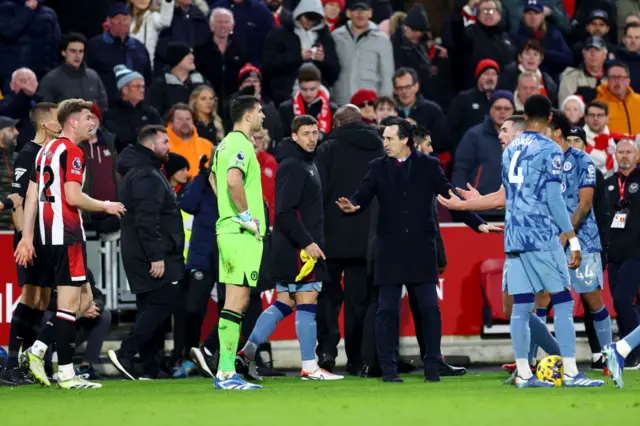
[[491, 283]]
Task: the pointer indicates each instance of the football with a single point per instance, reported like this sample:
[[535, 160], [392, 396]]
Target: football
[[550, 369]]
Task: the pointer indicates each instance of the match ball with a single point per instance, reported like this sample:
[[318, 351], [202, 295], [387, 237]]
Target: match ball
[[550, 370]]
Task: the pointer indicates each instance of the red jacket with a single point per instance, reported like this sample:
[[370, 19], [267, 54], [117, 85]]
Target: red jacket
[[268, 169]]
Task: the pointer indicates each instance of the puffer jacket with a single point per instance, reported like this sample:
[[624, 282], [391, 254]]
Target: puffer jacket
[[624, 115]]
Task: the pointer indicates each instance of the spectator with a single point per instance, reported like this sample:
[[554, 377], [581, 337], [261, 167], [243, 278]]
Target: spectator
[[528, 85], [470, 107], [176, 85], [630, 53], [100, 177], [332, 12], [18, 102], [312, 98], [600, 145], [189, 26], [462, 16], [425, 113], [115, 47], [529, 59], [276, 8], [623, 102], [486, 39], [303, 39], [365, 100], [627, 10], [342, 162], [268, 169], [584, 79], [8, 139], [573, 108], [177, 171], [385, 107], [221, 58], [29, 37], [585, 10], [208, 122], [184, 139], [478, 159], [148, 20], [130, 113], [554, 11], [253, 21], [365, 55], [72, 79], [557, 54], [84, 17], [598, 26]]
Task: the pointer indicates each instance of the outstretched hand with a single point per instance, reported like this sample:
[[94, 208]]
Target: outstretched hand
[[346, 206], [485, 228], [453, 202], [469, 194]]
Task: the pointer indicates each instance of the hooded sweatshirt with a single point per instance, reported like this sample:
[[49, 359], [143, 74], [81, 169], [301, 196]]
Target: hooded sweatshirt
[[308, 37]]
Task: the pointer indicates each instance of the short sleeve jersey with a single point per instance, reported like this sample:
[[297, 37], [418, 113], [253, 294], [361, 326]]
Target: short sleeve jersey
[[59, 162], [580, 172], [236, 151], [528, 163]]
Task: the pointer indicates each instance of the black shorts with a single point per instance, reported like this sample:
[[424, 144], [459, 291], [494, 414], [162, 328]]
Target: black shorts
[[33, 274], [67, 264]]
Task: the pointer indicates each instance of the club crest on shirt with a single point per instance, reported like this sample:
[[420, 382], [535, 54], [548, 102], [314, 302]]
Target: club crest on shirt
[[633, 188], [567, 166], [556, 162], [611, 188]]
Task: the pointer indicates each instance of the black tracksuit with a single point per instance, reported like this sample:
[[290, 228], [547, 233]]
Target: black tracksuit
[[342, 161]]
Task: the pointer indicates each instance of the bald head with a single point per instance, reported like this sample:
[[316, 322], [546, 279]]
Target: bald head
[[626, 155], [346, 114], [24, 79]]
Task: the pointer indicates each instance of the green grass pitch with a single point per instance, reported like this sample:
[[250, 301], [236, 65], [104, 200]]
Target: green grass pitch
[[474, 400]]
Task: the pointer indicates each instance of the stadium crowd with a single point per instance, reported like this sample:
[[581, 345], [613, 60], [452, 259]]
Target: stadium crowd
[[180, 64]]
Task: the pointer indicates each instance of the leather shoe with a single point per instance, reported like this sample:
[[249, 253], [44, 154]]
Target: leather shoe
[[368, 371], [432, 372], [392, 379], [405, 367], [353, 369], [447, 370], [327, 362]]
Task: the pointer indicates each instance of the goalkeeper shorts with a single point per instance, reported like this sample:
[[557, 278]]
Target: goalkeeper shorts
[[239, 259]]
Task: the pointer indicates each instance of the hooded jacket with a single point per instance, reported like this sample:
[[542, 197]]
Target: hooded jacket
[[342, 161], [67, 82], [299, 217], [152, 229], [624, 115], [282, 58]]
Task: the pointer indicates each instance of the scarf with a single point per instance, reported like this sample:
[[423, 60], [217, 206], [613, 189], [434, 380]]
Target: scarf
[[601, 148], [331, 23], [540, 78], [468, 16], [276, 17], [324, 118]]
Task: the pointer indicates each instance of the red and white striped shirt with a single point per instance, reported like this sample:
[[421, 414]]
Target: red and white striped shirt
[[60, 161]]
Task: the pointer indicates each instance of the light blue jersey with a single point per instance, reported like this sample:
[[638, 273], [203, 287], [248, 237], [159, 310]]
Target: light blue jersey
[[528, 163]]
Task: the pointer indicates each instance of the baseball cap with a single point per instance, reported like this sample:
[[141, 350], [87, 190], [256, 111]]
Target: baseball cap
[[360, 4], [7, 122], [534, 5], [579, 132], [599, 14], [595, 41], [118, 9]]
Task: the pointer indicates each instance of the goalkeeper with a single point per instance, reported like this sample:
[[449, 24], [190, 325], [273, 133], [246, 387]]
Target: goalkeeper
[[235, 179]]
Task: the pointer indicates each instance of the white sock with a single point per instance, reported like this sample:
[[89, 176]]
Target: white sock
[[570, 367], [225, 374], [39, 349], [595, 357], [249, 350], [310, 366], [623, 348], [66, 372], [524, 372]]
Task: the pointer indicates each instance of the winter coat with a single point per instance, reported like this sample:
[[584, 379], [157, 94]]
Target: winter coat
[[366, 63], [192, 150], [28, 38], [624, 115], [152, 228], [430, 116], [632, 60], [508, 80], [342, 161], [18, 106], [253, 21], [282, 58], [168, 90], [152, 23], [84, 17], [467, 109], [67, 82], [577, 81], [313, 109], [125, 121], [514, 9], [299, 217], [105, 52], [557, 55]]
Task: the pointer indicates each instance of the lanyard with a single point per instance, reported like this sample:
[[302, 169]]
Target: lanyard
[[621, 187]]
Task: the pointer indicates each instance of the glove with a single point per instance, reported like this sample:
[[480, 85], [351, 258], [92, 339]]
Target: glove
[[204, 170], [248, 223], [308, 264]]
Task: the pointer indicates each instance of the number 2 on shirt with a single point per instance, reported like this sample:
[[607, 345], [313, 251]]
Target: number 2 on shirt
[[515, 176]]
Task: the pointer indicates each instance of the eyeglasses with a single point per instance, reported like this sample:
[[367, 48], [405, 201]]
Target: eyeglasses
[[401, 88], [137, 86], [502, 108], [366, 104], [618, 77], [489, 11]]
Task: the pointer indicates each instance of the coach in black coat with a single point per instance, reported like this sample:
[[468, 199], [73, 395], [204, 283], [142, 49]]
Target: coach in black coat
[[405, 182]]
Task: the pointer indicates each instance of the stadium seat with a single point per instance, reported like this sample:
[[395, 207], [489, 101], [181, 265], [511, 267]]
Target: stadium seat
[[491, 284]]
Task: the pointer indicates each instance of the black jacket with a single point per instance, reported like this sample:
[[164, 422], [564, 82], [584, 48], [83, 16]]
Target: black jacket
[[125, 121], [482, 42], [167, 90], [342, 161], [429, 115], [152, 228], [18, 106], [405, 251], [467, 109], [509, 81], [601, 211], [299, 218], [625, 243]]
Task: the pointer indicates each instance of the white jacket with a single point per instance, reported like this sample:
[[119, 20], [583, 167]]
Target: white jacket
[[152, 24]]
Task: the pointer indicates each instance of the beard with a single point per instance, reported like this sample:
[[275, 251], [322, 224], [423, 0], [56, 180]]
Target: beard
[[274, 5]]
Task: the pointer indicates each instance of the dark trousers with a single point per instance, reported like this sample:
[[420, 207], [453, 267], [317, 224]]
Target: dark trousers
[[624, 278], [388, 324], [356, 300], [369, 349]]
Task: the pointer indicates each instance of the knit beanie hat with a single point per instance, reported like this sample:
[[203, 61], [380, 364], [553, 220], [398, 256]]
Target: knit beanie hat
[[175, 163], [501, 94], [125, 76], [362, 96], [417, 18], [176, 52], [486, 64], [576, 98], [340, 2], [95, 109], [248, 71]]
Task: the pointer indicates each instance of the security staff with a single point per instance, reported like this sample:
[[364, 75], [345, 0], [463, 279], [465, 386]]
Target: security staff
[[624, 250]]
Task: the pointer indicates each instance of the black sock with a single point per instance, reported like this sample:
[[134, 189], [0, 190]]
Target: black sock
[[65, 326], [19, 329], [212, 344], [47, 334], [193, 323], [34, 325]]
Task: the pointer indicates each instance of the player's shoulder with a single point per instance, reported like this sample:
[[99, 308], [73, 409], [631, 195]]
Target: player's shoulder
[[236, 138], [582, 157]]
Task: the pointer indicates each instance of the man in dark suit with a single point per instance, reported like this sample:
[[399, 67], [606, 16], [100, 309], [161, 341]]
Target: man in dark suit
[[405, 182]]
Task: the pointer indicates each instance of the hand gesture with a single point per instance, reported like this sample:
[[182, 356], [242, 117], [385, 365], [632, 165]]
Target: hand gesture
[[252, 226], [25, 252], [319, 56], [546, 10], [485, 228], [314, 251], [345, 205], [93, 312], [203, 164], [576, 259], [469, 194], [306, 54], [157, 269], [116, 209], [453, 202], [31, 4], [30, 87]]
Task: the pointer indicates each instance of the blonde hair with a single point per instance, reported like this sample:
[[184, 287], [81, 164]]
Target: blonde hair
[[138, 14], [213, 116]]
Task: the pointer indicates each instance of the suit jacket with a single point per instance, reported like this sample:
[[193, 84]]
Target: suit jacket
[[406, 230]]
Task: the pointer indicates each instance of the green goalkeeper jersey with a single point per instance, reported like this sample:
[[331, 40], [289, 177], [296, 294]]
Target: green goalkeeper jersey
[[236, 151]]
